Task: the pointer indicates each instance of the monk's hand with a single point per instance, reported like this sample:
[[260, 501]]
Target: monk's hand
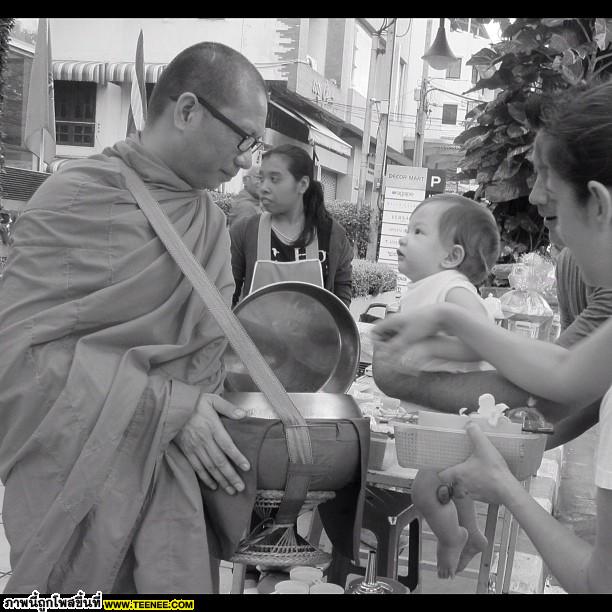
[[209, 448]]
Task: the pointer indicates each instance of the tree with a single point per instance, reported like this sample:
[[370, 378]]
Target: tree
[[534, 56], [6, 24]]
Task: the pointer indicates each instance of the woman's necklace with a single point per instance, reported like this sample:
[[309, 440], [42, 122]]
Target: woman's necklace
[[284, 237]]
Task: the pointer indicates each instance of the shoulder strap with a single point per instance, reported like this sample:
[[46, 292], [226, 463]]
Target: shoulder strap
[[298, 439], [264, 237]]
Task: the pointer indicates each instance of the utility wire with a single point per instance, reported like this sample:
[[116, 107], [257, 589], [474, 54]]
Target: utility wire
[[407, 29]]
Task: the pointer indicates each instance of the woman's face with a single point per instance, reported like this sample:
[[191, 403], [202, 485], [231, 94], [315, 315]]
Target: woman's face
[[279, 192], [582, 230]]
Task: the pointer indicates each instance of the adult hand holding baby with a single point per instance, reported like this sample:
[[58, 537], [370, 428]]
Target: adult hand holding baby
[[397, 332], [484, 473]]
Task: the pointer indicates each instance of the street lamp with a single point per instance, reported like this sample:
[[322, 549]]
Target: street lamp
[[438, 56]]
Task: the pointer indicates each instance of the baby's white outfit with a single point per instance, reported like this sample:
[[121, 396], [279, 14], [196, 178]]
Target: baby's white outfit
[[433, 290]]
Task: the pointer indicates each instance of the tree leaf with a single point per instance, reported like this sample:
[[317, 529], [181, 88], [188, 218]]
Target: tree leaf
[[573, 74], [601, 36], [518, 150], [559, 43], [476, 110], [515, 130], [506, 190], [470, 133], [484, 57], [517, 111], [507, 169], [551, 23]]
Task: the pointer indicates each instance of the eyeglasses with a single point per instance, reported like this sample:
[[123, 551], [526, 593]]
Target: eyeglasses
[[248, 142]]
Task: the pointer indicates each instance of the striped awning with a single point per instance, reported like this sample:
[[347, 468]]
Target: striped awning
[[103, 72], [78, 71], [121, 72]]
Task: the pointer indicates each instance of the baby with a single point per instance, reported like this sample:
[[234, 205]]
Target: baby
[[451, 244]]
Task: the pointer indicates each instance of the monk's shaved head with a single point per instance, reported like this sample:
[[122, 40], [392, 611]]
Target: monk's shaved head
[[212, 70]]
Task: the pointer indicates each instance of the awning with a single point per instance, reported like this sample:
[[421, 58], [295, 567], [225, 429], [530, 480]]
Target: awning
[[102, 72], [121, 72], [78, 71], [324, 137], [320, 134]]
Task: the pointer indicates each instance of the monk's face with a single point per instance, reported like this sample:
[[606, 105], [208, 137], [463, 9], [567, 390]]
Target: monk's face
[[210, 154]]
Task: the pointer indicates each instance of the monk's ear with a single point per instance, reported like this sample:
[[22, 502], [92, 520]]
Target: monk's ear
[[185, 110], [454, 257]]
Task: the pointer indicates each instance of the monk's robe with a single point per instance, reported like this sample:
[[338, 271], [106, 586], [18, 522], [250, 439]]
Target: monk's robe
[[104, 351]]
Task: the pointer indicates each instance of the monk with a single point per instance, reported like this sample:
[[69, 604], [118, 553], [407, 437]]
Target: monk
[[110, 364]]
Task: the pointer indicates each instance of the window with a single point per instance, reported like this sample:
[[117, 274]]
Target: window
[[361, 60], [75, 113], [475, 75], [449, 114], [454, 70], [463, 24]]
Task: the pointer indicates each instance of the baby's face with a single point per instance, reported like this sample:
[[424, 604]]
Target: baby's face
[[421, 251]]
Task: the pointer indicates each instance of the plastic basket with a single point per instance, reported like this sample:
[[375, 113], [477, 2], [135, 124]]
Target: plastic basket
[[427, 447]]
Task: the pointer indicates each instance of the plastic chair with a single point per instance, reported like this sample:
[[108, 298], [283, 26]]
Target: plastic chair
[[386, 514]]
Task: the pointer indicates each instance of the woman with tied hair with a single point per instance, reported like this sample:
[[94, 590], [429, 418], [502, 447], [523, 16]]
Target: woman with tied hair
[[294, 238], [577, 169]]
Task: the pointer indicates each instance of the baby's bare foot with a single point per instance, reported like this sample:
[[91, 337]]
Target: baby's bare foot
[[476, 543], [449, 554]]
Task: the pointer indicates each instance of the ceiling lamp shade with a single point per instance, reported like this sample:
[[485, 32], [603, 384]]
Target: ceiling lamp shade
[[439, 56]]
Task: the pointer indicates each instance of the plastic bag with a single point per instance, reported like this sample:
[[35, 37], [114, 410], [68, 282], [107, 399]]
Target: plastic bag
[[526, 310]]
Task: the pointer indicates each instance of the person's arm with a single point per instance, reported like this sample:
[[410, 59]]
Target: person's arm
[[578, 566], [343, 279], [581, 375], [237, 234], [578, 421], [444, 391], [446, 347], [597, 312]]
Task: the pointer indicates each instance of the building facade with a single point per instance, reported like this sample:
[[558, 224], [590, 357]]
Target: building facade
[[316, 69]]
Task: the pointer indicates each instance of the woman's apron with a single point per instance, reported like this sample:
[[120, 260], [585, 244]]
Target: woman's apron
[[267, 271]]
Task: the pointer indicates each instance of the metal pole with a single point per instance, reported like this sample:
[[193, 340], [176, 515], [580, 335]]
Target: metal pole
[[381, 146], [41, 152], [419, 132], [365, 141]]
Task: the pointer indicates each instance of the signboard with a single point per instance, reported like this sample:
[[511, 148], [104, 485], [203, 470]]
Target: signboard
[[406, 177], [391, 242], [401, 218], [405, 189], [393, 229], [436, 181], [395, 193], [407, 206]]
